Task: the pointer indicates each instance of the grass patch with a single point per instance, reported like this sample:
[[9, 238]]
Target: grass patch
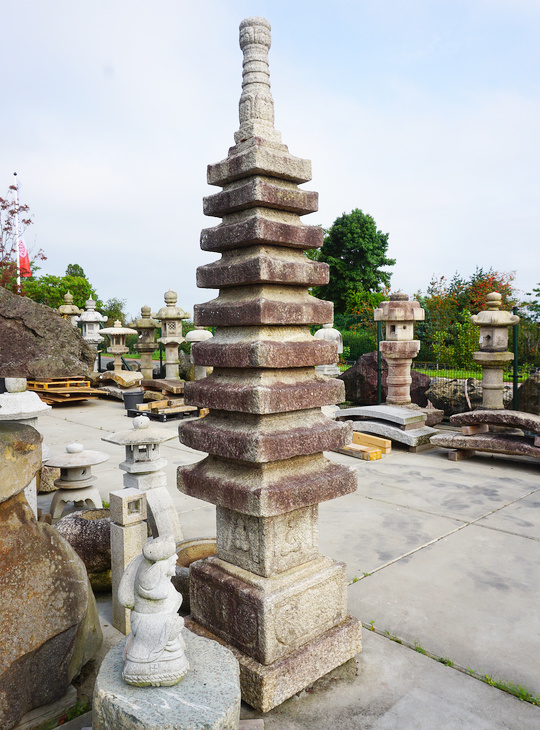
[[79, 708]]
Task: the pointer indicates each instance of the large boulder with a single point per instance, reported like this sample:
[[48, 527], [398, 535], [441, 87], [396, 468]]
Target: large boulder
[[36, 342], [361, 382], [459, 395], [50, 627], [89, 534], [529, 394]]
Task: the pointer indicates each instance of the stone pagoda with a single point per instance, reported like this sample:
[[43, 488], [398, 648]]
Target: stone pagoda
[[279, 605], [171, 318], [68, 310], [399, 346], [493, 353], [146, 344]]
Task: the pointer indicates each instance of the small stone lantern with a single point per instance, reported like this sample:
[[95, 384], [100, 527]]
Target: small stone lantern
[[399, 348], [90, 321], [117, 335], [171, 318], [144, 471], [330, 334], [199, 334], [76, 479], [68, 310], [146, 344], [493, 354]]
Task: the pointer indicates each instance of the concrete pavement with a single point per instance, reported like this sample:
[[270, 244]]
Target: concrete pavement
[[444, 556]]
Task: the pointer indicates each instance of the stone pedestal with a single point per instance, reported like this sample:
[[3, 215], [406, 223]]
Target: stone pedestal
[[207, 698], [146, 327], [399, 348], [171, 318], [493, 355], [268, 594]]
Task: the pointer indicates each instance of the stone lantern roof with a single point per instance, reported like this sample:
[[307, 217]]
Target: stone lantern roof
[[143, 432], [493, 316], [199, 334], [90, 314], [399, 308], [171, 311], [74, 465], [68, 309], [118, 329], [146, 321]]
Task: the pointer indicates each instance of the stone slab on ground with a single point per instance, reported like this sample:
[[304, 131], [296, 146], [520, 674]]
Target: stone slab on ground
[[393, 414], [495, 443], [512, 419], [413, 437], [207, 698]]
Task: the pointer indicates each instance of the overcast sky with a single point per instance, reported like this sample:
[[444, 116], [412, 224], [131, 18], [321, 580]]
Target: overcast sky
[[423, 113]]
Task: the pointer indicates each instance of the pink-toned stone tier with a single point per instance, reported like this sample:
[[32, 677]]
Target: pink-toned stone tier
[[268, 594]]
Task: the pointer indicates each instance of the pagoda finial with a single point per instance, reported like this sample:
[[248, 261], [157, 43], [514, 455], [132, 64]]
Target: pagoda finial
[[256, 108]]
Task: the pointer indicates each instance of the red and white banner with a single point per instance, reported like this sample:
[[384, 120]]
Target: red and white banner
[[24, 260]]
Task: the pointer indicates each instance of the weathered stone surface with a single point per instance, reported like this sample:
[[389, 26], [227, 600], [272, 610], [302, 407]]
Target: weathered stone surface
[[50, 626], [21, 406], [512, 419], [260, 229], [268, 618], [460, 396], [263, 305], [361, 382], [263, 347], [260, 265], [36, 342], [402, 417], [264, 545], [254, 438], [267, 489], [529, 394], [264, 391], [207, 698], [492, 442], [412, 437], [89, 534], [261, 191], [49, 474], [265, 687], [20, 448]]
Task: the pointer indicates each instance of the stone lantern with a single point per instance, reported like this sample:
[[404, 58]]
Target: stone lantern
[[144, 467], [68, 310], [330, 334], [90, 321], [117, 336], [146, 344], [76, 479], [493, 354], [171, 318], [399, 348], [199, 334]]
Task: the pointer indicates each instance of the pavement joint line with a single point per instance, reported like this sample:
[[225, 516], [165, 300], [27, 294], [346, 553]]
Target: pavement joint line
[[443, 660]]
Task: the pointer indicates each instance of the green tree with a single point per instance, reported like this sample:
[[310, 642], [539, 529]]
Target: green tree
[[75, 270], [532, 306], [49, 289], [114, 309], [356, 253]]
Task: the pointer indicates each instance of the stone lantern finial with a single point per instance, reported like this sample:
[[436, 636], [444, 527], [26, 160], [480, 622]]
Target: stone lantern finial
[[170, 297], [256, 107]]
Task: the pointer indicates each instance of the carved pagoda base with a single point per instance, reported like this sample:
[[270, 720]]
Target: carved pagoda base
[[265, 687]]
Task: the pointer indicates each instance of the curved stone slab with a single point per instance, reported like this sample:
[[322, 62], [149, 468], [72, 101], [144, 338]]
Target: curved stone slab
[[512, 419], [394, 414], [414, 437], [208, 697], [492, 442]]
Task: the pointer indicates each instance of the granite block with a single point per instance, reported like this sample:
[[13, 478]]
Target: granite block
[[392, 414], [259, 158], [261, 192], [260, 229], [512, 419]]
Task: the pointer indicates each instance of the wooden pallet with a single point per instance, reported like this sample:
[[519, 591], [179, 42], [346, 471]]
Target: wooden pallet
[[166, 414], [55, 391], [367, 439], [367, 453], [175, 387]]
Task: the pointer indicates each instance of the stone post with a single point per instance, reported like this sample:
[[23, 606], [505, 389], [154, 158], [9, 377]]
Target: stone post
[[144, 467], [199, 334], [279, 605], [399, 348], [68, 310], [330, 334], [493, 355], [117, 336], [171, 318], [146, 345], [128, 535]]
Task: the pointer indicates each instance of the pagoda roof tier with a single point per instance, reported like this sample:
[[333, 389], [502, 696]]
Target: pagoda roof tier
[[264, 391], [259, 265], [257, 156], [261, 192], [261, 227], [263, 347], [258, 438], [263, 305], [269, 489]]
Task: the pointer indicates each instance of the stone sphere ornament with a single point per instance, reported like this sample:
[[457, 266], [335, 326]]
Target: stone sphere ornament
[[155, 649]]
